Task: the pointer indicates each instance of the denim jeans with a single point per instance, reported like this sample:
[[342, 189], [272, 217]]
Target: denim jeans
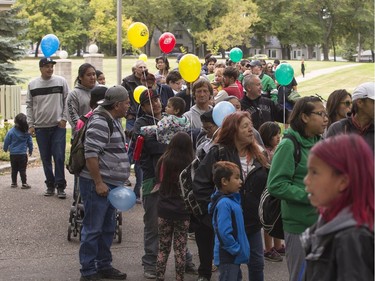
[[150, 238], [51, 143], [256, 262], [98, 230], [230, 272]]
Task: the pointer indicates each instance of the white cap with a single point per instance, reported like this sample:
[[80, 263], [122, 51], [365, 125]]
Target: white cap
[[364, 91]]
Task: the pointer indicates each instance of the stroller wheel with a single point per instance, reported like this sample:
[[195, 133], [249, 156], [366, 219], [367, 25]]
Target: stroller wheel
[[79, 232], [69, 232], [119, 217], [119, 235]]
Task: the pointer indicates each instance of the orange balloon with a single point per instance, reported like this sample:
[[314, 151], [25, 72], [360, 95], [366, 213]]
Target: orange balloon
[[189, 67]]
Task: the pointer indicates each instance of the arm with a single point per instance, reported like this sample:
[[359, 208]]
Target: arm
[[7, 142], [65, 93], [92, 165], [72, 105], [280, 181], [30, 145], [29, 111], [278, 112]]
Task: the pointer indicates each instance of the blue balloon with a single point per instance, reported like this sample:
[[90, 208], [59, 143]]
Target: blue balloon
[[122, 198], [49, 45], [222, 110]]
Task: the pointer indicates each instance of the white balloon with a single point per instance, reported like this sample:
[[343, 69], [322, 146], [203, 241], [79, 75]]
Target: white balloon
[[93, 49]]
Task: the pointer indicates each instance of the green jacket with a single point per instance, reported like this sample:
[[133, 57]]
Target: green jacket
[[285, 181]]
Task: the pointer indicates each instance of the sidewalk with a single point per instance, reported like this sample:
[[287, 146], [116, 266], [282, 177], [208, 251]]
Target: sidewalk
[[34, 246]]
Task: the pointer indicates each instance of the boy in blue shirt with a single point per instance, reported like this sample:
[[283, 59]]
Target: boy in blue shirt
[[231, 244]]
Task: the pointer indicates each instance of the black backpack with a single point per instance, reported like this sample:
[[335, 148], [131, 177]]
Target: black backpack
[[270, 207], [77, 160], [186, 179]]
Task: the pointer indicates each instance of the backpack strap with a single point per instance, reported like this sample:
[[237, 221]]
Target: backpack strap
[[297, 149], [108, 119]]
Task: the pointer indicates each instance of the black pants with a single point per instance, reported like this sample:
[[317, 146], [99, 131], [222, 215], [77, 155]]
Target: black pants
[[204, 237], [18, 163]]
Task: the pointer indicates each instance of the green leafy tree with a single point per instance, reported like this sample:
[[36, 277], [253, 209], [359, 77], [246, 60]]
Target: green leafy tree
[[11, 48]]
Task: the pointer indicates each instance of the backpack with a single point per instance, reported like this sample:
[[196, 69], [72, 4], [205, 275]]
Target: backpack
[[186, 179], [77, 160], [270, 207]]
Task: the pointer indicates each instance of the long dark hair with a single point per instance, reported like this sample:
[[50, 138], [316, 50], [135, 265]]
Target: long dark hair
[[178, 156], [333, 102], [20, 122]]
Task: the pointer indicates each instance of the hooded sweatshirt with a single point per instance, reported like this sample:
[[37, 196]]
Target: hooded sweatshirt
[[78, 103], [285, 181], [339, 249], [231, 244], [17, 142]]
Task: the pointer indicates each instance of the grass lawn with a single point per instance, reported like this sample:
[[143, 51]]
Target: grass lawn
[[323, 85]]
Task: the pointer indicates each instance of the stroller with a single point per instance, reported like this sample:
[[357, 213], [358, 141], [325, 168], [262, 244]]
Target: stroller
[[77, 213]]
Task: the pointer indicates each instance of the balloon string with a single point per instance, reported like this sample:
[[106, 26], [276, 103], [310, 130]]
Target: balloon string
[[149, 100], [284, 105], [189, 89]]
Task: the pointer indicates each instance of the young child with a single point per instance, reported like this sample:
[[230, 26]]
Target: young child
[[172, 122], [231, 244], [17, 141], [173, 221], [270, 134], [340, 183]]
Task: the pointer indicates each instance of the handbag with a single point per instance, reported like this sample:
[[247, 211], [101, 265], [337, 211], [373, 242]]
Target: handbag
[[270, 215]]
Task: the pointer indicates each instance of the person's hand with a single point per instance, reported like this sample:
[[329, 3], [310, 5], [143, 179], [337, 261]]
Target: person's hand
[[62, 124], [102, 189], [32, 131]]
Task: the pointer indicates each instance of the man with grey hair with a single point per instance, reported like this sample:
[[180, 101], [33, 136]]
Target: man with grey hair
[[261, 109], [107, 168], [361, 119]]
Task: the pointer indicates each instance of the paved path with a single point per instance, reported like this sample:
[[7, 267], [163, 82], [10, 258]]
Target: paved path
[[324, 71], [33, 238]]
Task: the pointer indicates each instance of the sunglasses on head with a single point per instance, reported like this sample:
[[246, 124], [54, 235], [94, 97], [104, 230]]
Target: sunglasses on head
[[347, 103]]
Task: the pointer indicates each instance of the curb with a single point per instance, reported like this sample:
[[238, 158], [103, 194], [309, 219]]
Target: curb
[[6, 167]]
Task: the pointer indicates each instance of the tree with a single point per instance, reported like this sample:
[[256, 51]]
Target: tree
[[11, 49], [68, 20]]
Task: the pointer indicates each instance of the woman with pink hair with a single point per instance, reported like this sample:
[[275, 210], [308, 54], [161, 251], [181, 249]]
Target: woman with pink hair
[[340, 183]]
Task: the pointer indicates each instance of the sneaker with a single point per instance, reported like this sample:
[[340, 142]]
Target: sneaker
[[13, 185], [213, 268], [50, 191], [25, 186], [281, 250], [191, 269], [149, 275], [61, 194], [272, 255], [138, 201], [112, 273], [201, 278], [128, 183], [91, 277]]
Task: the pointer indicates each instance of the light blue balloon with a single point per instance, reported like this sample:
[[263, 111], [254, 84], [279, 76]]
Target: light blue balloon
[[122, 198], [222, 110], [49, 45]]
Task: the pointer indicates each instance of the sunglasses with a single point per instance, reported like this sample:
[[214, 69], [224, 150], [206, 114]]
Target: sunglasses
[[346, 103]]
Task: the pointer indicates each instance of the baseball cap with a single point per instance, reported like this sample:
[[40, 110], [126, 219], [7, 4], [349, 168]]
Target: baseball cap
[[114, 94], [146, 95], [276, 61], [364, 91], [255, 63], [179, 56], [45, 61]]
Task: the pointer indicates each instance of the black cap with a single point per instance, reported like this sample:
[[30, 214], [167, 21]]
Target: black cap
[[45, 61], [146, 95]]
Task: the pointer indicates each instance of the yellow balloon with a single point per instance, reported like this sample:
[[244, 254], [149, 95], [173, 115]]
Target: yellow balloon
[[189, 67], [138, 34], [143, 57], [137, 92]]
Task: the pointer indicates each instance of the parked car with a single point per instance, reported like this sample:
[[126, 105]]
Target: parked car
[[259, 57]]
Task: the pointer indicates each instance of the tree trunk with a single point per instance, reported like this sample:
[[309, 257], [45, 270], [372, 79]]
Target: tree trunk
[[37, 49], [334, 49], [325, 47]]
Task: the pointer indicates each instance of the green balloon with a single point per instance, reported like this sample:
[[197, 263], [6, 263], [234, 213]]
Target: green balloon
[[284, 74], [235, 54]]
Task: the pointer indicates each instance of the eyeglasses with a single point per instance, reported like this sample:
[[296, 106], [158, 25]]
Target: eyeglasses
[[346, 103], [320, 113]]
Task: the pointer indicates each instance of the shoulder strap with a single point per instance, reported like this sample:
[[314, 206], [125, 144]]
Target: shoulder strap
[[221, 152], [297, 148], [108, 119]]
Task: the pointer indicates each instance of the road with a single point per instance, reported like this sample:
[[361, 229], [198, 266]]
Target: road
[[33, 237]]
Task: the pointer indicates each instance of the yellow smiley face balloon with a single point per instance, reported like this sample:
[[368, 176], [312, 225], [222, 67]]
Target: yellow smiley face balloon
[[138, 34]]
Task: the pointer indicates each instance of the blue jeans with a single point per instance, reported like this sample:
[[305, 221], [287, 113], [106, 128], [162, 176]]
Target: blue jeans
[[98, 230], [150, 238], [256, 262], [230, 272], [51, 143]]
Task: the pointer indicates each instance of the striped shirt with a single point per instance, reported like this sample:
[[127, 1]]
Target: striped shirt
[[110, 149]]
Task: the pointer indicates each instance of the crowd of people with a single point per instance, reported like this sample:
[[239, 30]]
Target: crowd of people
[[327, 197]]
